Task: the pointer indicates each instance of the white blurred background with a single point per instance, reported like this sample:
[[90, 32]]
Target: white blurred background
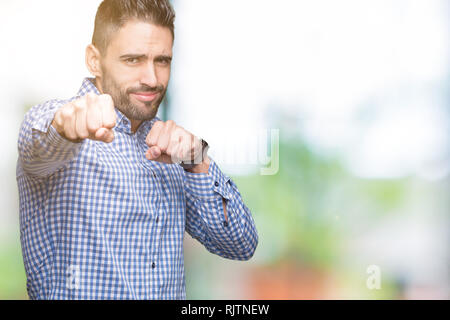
[[366, 82]]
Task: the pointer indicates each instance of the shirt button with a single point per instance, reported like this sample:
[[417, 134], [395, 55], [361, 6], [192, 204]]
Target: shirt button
[[153, 265], [157, 219], [125, 122], [216, 184], [225, 224]]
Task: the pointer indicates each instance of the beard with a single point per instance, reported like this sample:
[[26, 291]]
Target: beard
[[121, 98]]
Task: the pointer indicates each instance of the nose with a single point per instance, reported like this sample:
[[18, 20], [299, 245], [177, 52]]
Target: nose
[[148, 76]]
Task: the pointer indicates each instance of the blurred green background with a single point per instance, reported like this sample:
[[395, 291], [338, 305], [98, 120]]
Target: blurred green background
[[359, 91]]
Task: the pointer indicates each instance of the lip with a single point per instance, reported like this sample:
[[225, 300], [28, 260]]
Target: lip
[[145, 96]]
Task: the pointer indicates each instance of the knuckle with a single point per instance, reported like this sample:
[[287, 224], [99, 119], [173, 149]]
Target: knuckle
[[67, 111], [174, 138], [109, 119], [90, 104], [150, 141], [59, 121], [92, 125], [78, 107], [92, 128], [109, 123], [79, 102], [179, 131], [170, 123], [106, 99], [88, 96], [113, 115]]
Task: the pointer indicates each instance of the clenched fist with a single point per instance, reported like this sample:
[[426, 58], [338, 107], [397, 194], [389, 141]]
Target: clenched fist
[[90, 117], [170, 143]]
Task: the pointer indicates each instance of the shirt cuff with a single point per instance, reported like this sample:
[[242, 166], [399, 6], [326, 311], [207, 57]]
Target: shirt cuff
[[208, 185]]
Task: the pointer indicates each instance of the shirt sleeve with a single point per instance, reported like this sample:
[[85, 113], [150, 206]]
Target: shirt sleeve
[[236, 238], [42, 150]]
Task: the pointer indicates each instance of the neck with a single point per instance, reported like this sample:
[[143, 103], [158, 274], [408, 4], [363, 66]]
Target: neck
[[135, 124]]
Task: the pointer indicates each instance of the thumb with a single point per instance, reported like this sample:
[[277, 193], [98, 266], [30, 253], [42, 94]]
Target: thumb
[[155, 154], [105, 135]]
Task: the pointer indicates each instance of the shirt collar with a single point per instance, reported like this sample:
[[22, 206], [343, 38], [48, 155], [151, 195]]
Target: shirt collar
[[123, 123]]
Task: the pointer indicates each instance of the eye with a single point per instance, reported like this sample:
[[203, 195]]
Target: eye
[[132, 60], [164, 61]]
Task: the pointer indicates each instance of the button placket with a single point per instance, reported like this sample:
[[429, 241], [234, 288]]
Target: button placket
[[158, 230]]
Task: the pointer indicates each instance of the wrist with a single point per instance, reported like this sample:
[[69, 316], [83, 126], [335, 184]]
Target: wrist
[[202, 167], [61, 133], [199, 165], [54, 124]]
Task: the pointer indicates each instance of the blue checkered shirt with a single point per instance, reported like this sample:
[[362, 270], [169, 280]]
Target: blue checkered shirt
[[100, 221]]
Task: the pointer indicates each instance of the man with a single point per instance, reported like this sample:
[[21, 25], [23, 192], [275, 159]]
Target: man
[[107, 190]]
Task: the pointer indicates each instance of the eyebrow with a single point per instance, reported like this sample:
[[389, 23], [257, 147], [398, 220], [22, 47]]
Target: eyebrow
[[132, 56], [140, 56]]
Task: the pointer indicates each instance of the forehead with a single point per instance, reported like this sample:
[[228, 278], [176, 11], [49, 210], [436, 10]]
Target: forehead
[[141, 38]]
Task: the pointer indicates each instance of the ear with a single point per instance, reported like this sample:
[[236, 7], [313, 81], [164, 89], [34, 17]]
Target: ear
[[93, 57]]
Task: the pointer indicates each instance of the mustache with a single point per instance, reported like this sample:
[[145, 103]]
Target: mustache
[[146, 89]]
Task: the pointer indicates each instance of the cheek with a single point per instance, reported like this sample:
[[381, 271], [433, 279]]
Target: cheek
[[127, 76], [163, 75]]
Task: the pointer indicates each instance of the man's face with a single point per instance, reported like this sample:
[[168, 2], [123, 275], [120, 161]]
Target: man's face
[[136, 69]]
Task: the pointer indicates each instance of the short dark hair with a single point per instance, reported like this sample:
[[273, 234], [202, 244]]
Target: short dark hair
[[114, 14]]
